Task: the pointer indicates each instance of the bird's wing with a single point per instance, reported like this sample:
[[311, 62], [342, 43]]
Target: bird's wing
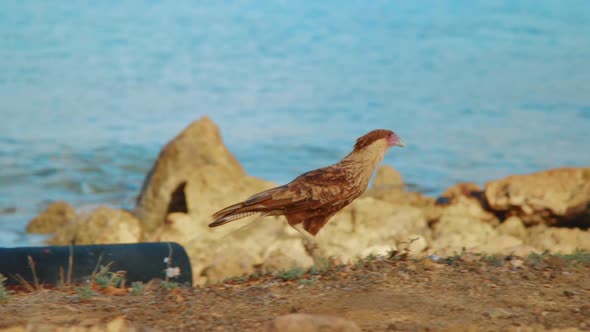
[[321, 187]]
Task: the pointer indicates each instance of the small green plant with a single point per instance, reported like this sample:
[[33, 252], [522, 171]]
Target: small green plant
[[371, 257], [535, 259], [136, 287], [105, 278], [365, 261], [323, 266], [169, 285], [3, 291], [85, 292], [578, 256], [306, 282], [295, 272], [493, 259], [238, 280]]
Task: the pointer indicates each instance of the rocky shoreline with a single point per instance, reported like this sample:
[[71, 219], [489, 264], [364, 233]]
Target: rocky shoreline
[[195, 175]]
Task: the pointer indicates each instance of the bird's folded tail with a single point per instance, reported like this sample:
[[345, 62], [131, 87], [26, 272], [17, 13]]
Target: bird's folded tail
[[233, 212], [229, 218], [257, 203]]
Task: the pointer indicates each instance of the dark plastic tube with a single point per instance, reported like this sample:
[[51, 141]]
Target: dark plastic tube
[[141, 261]]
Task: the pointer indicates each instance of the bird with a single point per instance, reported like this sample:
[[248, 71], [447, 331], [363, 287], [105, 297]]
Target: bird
[[312, 198]]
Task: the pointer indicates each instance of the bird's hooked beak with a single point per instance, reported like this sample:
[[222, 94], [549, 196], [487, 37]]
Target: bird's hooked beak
[[401, 143]]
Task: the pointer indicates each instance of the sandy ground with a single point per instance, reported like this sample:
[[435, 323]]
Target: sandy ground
[[379, 294]]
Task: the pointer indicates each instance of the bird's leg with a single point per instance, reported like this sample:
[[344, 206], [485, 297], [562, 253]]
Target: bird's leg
[[309, 243]]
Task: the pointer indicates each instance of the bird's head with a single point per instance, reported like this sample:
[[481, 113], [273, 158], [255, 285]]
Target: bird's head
[[383, 137]]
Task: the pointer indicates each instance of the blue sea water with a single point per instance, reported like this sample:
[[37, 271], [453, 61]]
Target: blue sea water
[[90, 91]]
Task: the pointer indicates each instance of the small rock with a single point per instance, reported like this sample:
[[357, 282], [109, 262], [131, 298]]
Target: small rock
[[498, 313], [403, 275], [311, 323], [469, 257], [516, 263], [429, 264], [568, 293]]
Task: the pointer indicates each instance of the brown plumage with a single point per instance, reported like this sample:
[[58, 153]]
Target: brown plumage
[[313, 197]]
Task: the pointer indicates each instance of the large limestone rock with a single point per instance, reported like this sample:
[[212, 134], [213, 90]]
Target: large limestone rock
[[101, 226], [56, 216], [554, 197], [194, 173]]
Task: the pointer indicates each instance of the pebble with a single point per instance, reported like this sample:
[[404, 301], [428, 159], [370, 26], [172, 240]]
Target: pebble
[[496, 313], [516, 263], [311, 323]]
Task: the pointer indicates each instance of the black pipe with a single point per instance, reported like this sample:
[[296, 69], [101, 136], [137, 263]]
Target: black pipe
[[141, 261]]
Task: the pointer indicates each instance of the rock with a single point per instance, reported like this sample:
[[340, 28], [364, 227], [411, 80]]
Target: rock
[[388, 177], [558, 240], [498, 313], [286, 253], [101, 226], [498, 244], [195, 163], [178, 227], [397, 196], [555, 197], [457, 233], [311, 323], [233, 262], [56, 216], [466, 225], [516, 263], [212, 190], [513, 226], [461, 189], [388, 186], [240, 243]]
